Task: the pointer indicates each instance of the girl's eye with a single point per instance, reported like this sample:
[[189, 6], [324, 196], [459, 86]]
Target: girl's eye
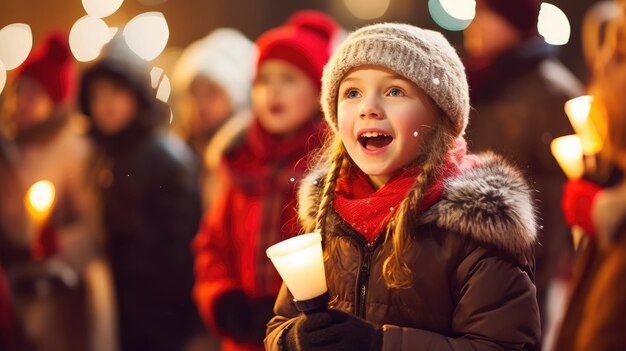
[[395, 92], [260, 80], [288, 78], [351, 94]]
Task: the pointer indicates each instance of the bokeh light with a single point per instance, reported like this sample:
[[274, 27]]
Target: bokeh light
[[165, 89], [155, 76], [147, 34], [460, 9], [87, 37], [367, 9], [16, 41], [3, 76], [101, 8], [161, 82], [454, 15], [553, 25]]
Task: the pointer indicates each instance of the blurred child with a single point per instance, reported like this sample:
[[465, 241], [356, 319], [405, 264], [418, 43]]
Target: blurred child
[[236, 285], [45, 258], [517, 89], [426, 247], [595, 317], [213, 78], [147, 181]]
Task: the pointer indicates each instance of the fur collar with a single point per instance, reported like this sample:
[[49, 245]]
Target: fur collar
[[490, 203]]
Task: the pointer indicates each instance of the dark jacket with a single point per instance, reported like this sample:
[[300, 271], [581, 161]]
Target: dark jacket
[[151, 210], [517, 111], [148, 183], [595, 317], [471, 268]]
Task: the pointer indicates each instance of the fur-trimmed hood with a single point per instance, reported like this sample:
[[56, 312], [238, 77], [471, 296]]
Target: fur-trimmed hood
[[490, 203]]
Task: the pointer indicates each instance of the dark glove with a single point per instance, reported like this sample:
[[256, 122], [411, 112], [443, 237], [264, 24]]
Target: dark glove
[[577, 202], [333, 330], [241, 318], [262, 312]]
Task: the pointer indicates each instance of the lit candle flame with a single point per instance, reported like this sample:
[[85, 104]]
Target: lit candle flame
[[40, 198]]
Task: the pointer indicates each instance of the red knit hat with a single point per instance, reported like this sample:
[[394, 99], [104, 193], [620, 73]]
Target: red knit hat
[[521, 14], [304, 41], [51, 64]]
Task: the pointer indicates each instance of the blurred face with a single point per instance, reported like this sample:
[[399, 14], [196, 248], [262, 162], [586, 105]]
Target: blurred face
[[489, 35], [33, 105], [212, 103], [383, 120], [283, 97], [113, 106]]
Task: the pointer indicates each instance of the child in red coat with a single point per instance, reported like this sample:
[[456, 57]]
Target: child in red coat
[[236, 285]]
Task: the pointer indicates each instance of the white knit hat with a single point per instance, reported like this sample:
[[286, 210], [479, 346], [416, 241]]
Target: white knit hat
[[225, 57], [423, 56]]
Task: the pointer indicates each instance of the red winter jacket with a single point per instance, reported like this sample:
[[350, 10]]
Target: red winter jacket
[[256, 209]]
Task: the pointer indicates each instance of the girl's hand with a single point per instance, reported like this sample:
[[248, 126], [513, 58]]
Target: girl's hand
[[333, 330]]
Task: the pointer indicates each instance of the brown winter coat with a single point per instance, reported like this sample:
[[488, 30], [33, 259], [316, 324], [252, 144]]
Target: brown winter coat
[[595, 318], [471, 267]]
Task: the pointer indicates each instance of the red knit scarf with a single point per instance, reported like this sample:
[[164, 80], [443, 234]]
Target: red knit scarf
[[265, 163], [369, 210]]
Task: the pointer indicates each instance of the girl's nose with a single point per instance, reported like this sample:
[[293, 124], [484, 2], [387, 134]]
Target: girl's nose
[[370, 108], [272, 91]]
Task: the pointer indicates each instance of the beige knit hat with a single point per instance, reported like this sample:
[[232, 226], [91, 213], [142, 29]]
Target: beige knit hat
[[423, 56]]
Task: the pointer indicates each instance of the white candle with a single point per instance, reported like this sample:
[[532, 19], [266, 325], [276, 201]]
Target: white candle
[[568, 151], [300, 263]]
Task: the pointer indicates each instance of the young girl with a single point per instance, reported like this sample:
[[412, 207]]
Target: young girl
[[212, 80], [236, 285], [427, 248]]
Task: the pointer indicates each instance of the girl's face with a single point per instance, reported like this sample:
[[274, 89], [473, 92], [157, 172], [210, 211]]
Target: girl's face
[[383, 120], [213, 104], [113, 106], [283, 97], [33, 105]]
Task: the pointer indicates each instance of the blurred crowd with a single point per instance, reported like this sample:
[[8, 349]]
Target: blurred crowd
[[155, 235]]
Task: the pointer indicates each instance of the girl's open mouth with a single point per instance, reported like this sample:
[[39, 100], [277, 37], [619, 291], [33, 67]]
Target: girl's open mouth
[[374, 141]]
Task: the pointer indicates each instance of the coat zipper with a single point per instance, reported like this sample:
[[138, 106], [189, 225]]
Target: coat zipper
[[367, 252], [364, 274]]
